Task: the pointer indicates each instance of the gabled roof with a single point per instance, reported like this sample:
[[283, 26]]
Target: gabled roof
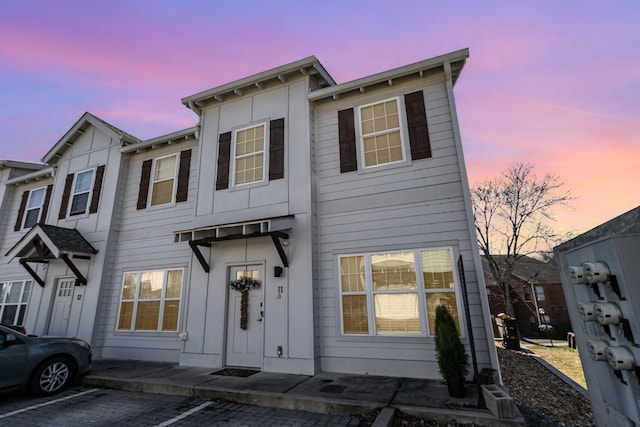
[[279, 75], [15, 164], [456, 61], [531, 270], [57, 241], [79, 128], [32, 176]]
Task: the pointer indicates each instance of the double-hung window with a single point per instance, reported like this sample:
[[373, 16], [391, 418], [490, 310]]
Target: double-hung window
[[396, 293], [164, 177], [540, 295], [81, 192], [150, 301], [249, 155], [14, 297], [381, 136], [34, 207]]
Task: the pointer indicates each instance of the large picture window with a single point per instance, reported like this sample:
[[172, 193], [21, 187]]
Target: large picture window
[[150, 301], [249, 155], [164, 177], [14, 297], [380, 132], [396, 293]]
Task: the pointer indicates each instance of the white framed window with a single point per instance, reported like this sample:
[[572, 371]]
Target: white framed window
[[249, 159], [81, 194], [150, 300], [396, 293], [165, 170], [381, 136], [34, 207], [14, 297], [540, 296]]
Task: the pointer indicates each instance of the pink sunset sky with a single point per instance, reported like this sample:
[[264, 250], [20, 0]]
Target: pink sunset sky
[[553, 83]]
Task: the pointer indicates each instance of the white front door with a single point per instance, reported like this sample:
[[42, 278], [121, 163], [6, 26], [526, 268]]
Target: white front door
[[245, 346], [61, 307]]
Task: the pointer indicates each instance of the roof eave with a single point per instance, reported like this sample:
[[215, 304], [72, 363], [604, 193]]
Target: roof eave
[[175, 137], [238, 87], [33, 176], [458, 57]]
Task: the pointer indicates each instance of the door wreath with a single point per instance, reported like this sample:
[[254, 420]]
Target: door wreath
[[244, 285]]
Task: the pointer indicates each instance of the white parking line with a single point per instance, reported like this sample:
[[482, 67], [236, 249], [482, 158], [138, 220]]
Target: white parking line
[[184, 415], [51, 402]]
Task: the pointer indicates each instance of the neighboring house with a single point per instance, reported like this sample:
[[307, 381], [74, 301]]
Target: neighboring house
[[536, 295], [600, 276], [344, 208]]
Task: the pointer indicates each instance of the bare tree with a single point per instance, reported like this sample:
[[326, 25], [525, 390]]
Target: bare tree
[[512, 216]]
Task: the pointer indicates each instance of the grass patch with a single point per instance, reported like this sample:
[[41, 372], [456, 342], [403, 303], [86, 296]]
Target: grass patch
[[564, 359]]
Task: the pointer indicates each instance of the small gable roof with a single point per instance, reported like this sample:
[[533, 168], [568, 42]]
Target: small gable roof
[[79, 128], [58, 241]]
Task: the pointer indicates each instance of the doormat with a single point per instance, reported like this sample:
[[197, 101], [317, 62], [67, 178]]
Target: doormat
[[234, 372]]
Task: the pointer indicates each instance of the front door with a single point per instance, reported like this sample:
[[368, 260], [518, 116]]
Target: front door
[[245, 335], [61, 307]]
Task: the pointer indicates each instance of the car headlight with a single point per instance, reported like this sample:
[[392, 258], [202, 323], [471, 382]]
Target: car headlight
[[81, 343]]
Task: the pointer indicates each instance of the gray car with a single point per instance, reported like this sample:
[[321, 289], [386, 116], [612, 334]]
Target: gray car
[[42, 365]]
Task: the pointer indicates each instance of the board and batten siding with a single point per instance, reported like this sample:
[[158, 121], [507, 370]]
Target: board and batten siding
[[146, 242], [415, 205]]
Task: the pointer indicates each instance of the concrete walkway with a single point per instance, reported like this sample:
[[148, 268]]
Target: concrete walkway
[[329, 393]]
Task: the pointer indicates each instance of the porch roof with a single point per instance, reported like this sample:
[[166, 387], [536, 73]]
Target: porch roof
[[273, 227], [46, 242]]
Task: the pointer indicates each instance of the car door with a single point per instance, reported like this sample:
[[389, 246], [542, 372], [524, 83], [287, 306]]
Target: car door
[[13, 359]]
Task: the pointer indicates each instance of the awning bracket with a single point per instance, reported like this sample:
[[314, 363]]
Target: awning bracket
[[32, 272], [80, 279], [196, 251]]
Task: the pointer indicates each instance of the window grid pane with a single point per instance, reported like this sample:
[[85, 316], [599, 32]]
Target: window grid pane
[[448, 299], [14, 297], [380, 124], [355, 317], [393, 271], [249, 155], [352, 274], [397, 313]]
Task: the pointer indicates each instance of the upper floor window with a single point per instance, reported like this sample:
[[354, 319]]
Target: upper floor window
[[164, 177], [81, 193], [34, 207], [14, 297], [249, 158], [396, 293], [382, 129], [540, 296], [527, 292], [242, 159], [169, 181], [381, 136]]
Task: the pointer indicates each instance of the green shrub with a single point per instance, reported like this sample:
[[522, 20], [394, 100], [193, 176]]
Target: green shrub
[[452, 358]]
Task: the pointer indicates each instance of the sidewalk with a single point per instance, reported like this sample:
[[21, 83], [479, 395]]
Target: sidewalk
[[329, 393]]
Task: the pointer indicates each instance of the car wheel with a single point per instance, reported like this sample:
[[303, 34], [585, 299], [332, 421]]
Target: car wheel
[[51, 376]]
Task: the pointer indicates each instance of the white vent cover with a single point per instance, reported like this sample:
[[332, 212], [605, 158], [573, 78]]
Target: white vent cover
[[607, 313], [597, 349], [577, 275], [620, 358], [595, 272], [587, 311]]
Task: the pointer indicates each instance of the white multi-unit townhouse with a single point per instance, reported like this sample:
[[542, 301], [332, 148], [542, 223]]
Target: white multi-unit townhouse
[[300, 226]]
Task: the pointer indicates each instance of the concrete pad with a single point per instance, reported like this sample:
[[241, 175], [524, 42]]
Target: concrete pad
[[363, 388], [433, 393], [262, 381]]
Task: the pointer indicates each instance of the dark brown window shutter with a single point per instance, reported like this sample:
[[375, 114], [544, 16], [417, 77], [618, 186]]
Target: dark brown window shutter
[[183, 176], [276, 149], [23, 206], [347, 141], [45, 205], [417, 125], [143, 191], [224, 154], [97, 188], [65, 197]]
